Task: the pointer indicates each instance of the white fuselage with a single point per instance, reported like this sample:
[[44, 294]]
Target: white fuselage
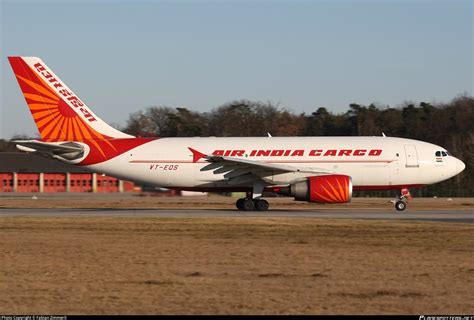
[[376, 163], [318, 169]]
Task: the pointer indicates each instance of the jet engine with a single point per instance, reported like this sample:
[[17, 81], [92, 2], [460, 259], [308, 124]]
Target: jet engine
[[333, 188]]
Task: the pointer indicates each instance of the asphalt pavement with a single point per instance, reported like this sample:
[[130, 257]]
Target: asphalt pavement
[[428, 215]]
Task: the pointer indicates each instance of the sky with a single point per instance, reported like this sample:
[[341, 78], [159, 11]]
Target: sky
[[120, 57]]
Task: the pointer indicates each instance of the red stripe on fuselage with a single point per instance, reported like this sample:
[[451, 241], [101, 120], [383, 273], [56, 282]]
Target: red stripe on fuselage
[[391, 187], [269, 189], [270, 161]]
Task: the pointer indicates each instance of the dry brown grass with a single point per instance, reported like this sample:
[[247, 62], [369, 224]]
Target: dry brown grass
[[143, 265]]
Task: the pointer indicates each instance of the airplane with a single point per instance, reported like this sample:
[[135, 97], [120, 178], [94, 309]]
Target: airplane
[[312, 169]]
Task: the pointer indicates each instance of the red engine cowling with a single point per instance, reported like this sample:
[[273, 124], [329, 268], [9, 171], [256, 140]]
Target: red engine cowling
[[334, 188]]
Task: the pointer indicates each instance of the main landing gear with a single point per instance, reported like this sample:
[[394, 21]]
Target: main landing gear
[[252, 201], [249, 204]]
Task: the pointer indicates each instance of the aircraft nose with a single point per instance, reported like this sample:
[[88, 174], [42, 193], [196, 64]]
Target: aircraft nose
[[459, 166]]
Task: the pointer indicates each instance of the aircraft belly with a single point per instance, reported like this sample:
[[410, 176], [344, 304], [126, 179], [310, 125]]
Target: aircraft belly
[[374, 174]]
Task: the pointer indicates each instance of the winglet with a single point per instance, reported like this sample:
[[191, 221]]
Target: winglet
[[197, 155]]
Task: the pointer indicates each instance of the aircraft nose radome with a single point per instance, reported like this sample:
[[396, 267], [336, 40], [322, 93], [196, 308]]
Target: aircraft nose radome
[[460, 166]]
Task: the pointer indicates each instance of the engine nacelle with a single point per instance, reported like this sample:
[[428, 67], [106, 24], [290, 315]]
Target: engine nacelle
[[334, 188]]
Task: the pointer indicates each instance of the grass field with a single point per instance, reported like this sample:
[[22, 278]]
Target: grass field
[[144, 265]]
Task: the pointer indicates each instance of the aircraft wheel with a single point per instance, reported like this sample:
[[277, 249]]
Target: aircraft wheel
[[400, 205], [248, 205], [261, 205], [239, 203]]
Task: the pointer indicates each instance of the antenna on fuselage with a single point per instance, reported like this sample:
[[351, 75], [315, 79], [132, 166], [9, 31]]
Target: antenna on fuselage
[[269, 135], [383, 135]]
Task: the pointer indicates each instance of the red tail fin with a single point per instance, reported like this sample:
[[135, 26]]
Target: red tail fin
[[58, 113]]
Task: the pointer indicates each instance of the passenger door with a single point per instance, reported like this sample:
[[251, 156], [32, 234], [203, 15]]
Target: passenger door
[[411, 156]]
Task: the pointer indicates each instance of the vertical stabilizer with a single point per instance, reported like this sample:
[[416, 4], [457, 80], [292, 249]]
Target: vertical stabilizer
[[57, 111]]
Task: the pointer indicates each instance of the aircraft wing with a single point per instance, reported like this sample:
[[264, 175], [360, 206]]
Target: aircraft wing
[[65, 150], [256, 165], [239, 170]]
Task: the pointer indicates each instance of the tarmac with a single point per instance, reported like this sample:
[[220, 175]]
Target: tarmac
[[466, 216]]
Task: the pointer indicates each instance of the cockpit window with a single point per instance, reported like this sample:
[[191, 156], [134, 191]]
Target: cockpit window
[[438, 153], [445, 154]]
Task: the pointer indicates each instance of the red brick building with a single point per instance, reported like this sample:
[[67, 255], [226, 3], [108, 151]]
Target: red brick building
[[24, 172]]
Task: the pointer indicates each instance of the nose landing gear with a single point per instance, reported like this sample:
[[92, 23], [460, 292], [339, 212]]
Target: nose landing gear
[[401, 205], [402, 199]]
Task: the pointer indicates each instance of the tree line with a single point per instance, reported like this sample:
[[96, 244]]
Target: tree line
[[450, 125]]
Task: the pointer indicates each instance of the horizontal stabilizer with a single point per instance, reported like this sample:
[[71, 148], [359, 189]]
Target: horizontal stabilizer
[[62, 151]]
